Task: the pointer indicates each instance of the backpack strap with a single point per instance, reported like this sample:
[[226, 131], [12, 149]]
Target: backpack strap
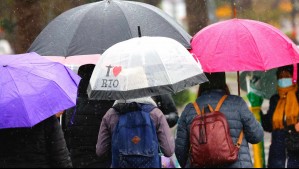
[[147, 107], [240, 139], [220, 102], [197, 108]]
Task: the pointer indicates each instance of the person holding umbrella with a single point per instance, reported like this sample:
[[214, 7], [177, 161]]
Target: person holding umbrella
[[112, 123], [33, 91], [82, 123], [236, 112]]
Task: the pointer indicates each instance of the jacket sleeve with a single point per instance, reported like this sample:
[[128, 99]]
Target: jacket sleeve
[[253, 129], [59, 154], [164, 134], [167, 106], [267, 118], [182, 143], [103, 147]]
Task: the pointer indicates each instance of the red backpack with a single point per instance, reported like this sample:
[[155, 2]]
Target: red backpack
[[211, 144]]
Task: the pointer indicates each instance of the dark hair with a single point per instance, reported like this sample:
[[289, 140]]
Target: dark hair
[[224, 88], [216, 81], [85, 72], [288, 68]]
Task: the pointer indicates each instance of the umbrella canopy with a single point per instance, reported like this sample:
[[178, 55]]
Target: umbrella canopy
[[243, 45], [145, 66], [76, 60], [33, 89], [94, 27]]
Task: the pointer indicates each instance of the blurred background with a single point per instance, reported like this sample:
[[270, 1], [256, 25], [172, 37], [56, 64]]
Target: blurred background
[[22, 21]]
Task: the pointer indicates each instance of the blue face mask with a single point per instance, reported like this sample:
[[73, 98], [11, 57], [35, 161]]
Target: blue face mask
[[285, 82]]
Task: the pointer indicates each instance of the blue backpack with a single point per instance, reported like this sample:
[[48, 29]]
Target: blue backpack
[[134, 140]]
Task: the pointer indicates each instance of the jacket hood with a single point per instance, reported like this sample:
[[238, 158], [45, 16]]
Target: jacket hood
[[123, 106], [144, 100]]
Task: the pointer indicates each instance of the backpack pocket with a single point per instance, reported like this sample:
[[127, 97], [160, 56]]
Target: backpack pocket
[[135, 161], [135, 143]]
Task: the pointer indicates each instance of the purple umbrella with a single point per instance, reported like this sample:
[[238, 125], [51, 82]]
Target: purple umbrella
[[33, 89]]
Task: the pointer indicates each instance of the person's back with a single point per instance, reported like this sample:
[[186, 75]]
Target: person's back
[[110, 122], [82, 131], [238, 116], [82, 124], [42, 146]]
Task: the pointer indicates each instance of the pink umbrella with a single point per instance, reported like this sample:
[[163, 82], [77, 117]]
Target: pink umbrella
[[74, 62], [243, 45]]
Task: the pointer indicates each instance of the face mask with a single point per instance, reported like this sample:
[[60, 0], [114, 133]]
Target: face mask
[[285, 82]]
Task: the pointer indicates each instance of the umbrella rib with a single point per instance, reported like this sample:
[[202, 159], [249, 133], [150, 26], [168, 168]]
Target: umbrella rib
[[172, 25], [51, 79], [75, 32], [164, 16], [222, 33], [125, 17], [255, 45], [19, 92], [269, 26], [164, 67], [56, 82]]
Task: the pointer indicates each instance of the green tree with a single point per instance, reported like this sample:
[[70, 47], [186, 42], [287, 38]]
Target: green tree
[[27, 17]]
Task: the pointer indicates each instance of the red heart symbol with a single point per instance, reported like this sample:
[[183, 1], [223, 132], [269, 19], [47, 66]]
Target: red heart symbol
[[116, 70]]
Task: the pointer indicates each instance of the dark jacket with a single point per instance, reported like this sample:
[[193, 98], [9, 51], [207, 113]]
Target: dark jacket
[[42, 146], [239, 118], [166, 104], [277, 151], [82, 129]]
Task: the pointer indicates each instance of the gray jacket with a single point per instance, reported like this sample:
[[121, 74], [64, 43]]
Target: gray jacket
[[239, 118], [110, 120]]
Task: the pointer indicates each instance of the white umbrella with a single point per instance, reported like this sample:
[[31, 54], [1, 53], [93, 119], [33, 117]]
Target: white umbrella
[[144, 66]]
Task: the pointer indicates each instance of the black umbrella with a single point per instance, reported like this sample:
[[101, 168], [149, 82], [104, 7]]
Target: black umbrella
[[94, 27]]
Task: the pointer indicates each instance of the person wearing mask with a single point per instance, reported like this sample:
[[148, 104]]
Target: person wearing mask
[[42, 146], [282, 113], [238, 116], [82, 124]]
